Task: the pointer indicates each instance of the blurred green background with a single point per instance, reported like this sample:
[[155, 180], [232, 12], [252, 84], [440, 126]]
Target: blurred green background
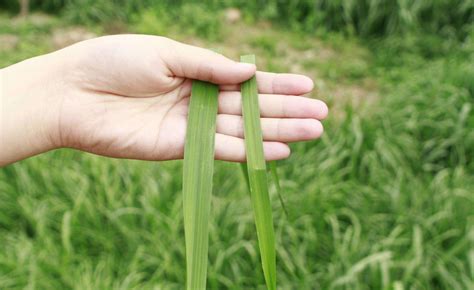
[[385, 200]]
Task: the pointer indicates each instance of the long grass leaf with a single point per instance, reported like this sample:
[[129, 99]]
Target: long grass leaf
[[244, 168], [276, 180], [197, 180], [258, 177]]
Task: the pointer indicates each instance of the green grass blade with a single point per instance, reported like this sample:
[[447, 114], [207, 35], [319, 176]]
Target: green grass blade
[[258, 176], [197, 180], [276, 180], [244, 168]]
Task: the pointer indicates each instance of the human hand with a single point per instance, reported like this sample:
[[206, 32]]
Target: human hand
[[127, 96]]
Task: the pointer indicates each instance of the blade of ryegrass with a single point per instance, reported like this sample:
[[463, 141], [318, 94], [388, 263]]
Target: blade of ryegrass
[[258, 177], [244, 168], [197, 180], [276, 180]]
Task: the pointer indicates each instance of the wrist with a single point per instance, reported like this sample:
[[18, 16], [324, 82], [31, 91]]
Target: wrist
[[29, 108]]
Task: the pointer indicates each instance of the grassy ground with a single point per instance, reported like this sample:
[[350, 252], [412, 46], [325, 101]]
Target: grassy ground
[[383, 201]]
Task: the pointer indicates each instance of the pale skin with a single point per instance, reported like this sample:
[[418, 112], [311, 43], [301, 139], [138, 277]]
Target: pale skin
[[127, 96]]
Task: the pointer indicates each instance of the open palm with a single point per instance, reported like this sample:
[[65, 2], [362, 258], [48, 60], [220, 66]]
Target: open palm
[[128, 95]]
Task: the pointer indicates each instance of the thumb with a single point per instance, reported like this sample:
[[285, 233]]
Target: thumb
[[203, 64]]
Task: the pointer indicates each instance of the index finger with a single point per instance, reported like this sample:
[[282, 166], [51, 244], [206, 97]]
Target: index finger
[[278, 83]]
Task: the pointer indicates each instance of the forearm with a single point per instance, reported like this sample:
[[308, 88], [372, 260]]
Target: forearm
[[28, 106]]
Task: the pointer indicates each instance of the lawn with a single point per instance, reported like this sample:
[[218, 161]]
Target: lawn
[[384, 200]]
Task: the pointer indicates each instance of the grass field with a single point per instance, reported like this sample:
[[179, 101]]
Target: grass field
[[385, 200]]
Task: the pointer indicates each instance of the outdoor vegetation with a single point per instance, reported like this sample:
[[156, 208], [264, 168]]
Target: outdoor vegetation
[[384, 200]]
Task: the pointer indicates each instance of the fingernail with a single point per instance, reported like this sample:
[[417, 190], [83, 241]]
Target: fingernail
[[308, 84]]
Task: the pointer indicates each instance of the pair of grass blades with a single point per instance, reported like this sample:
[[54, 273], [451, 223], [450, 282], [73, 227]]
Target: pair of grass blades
[[197, 180]]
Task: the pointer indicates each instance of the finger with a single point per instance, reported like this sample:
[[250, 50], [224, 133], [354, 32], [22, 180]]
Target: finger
[[275, 106], [198, 63], [231, 148], [278, 83], [281, 130]]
